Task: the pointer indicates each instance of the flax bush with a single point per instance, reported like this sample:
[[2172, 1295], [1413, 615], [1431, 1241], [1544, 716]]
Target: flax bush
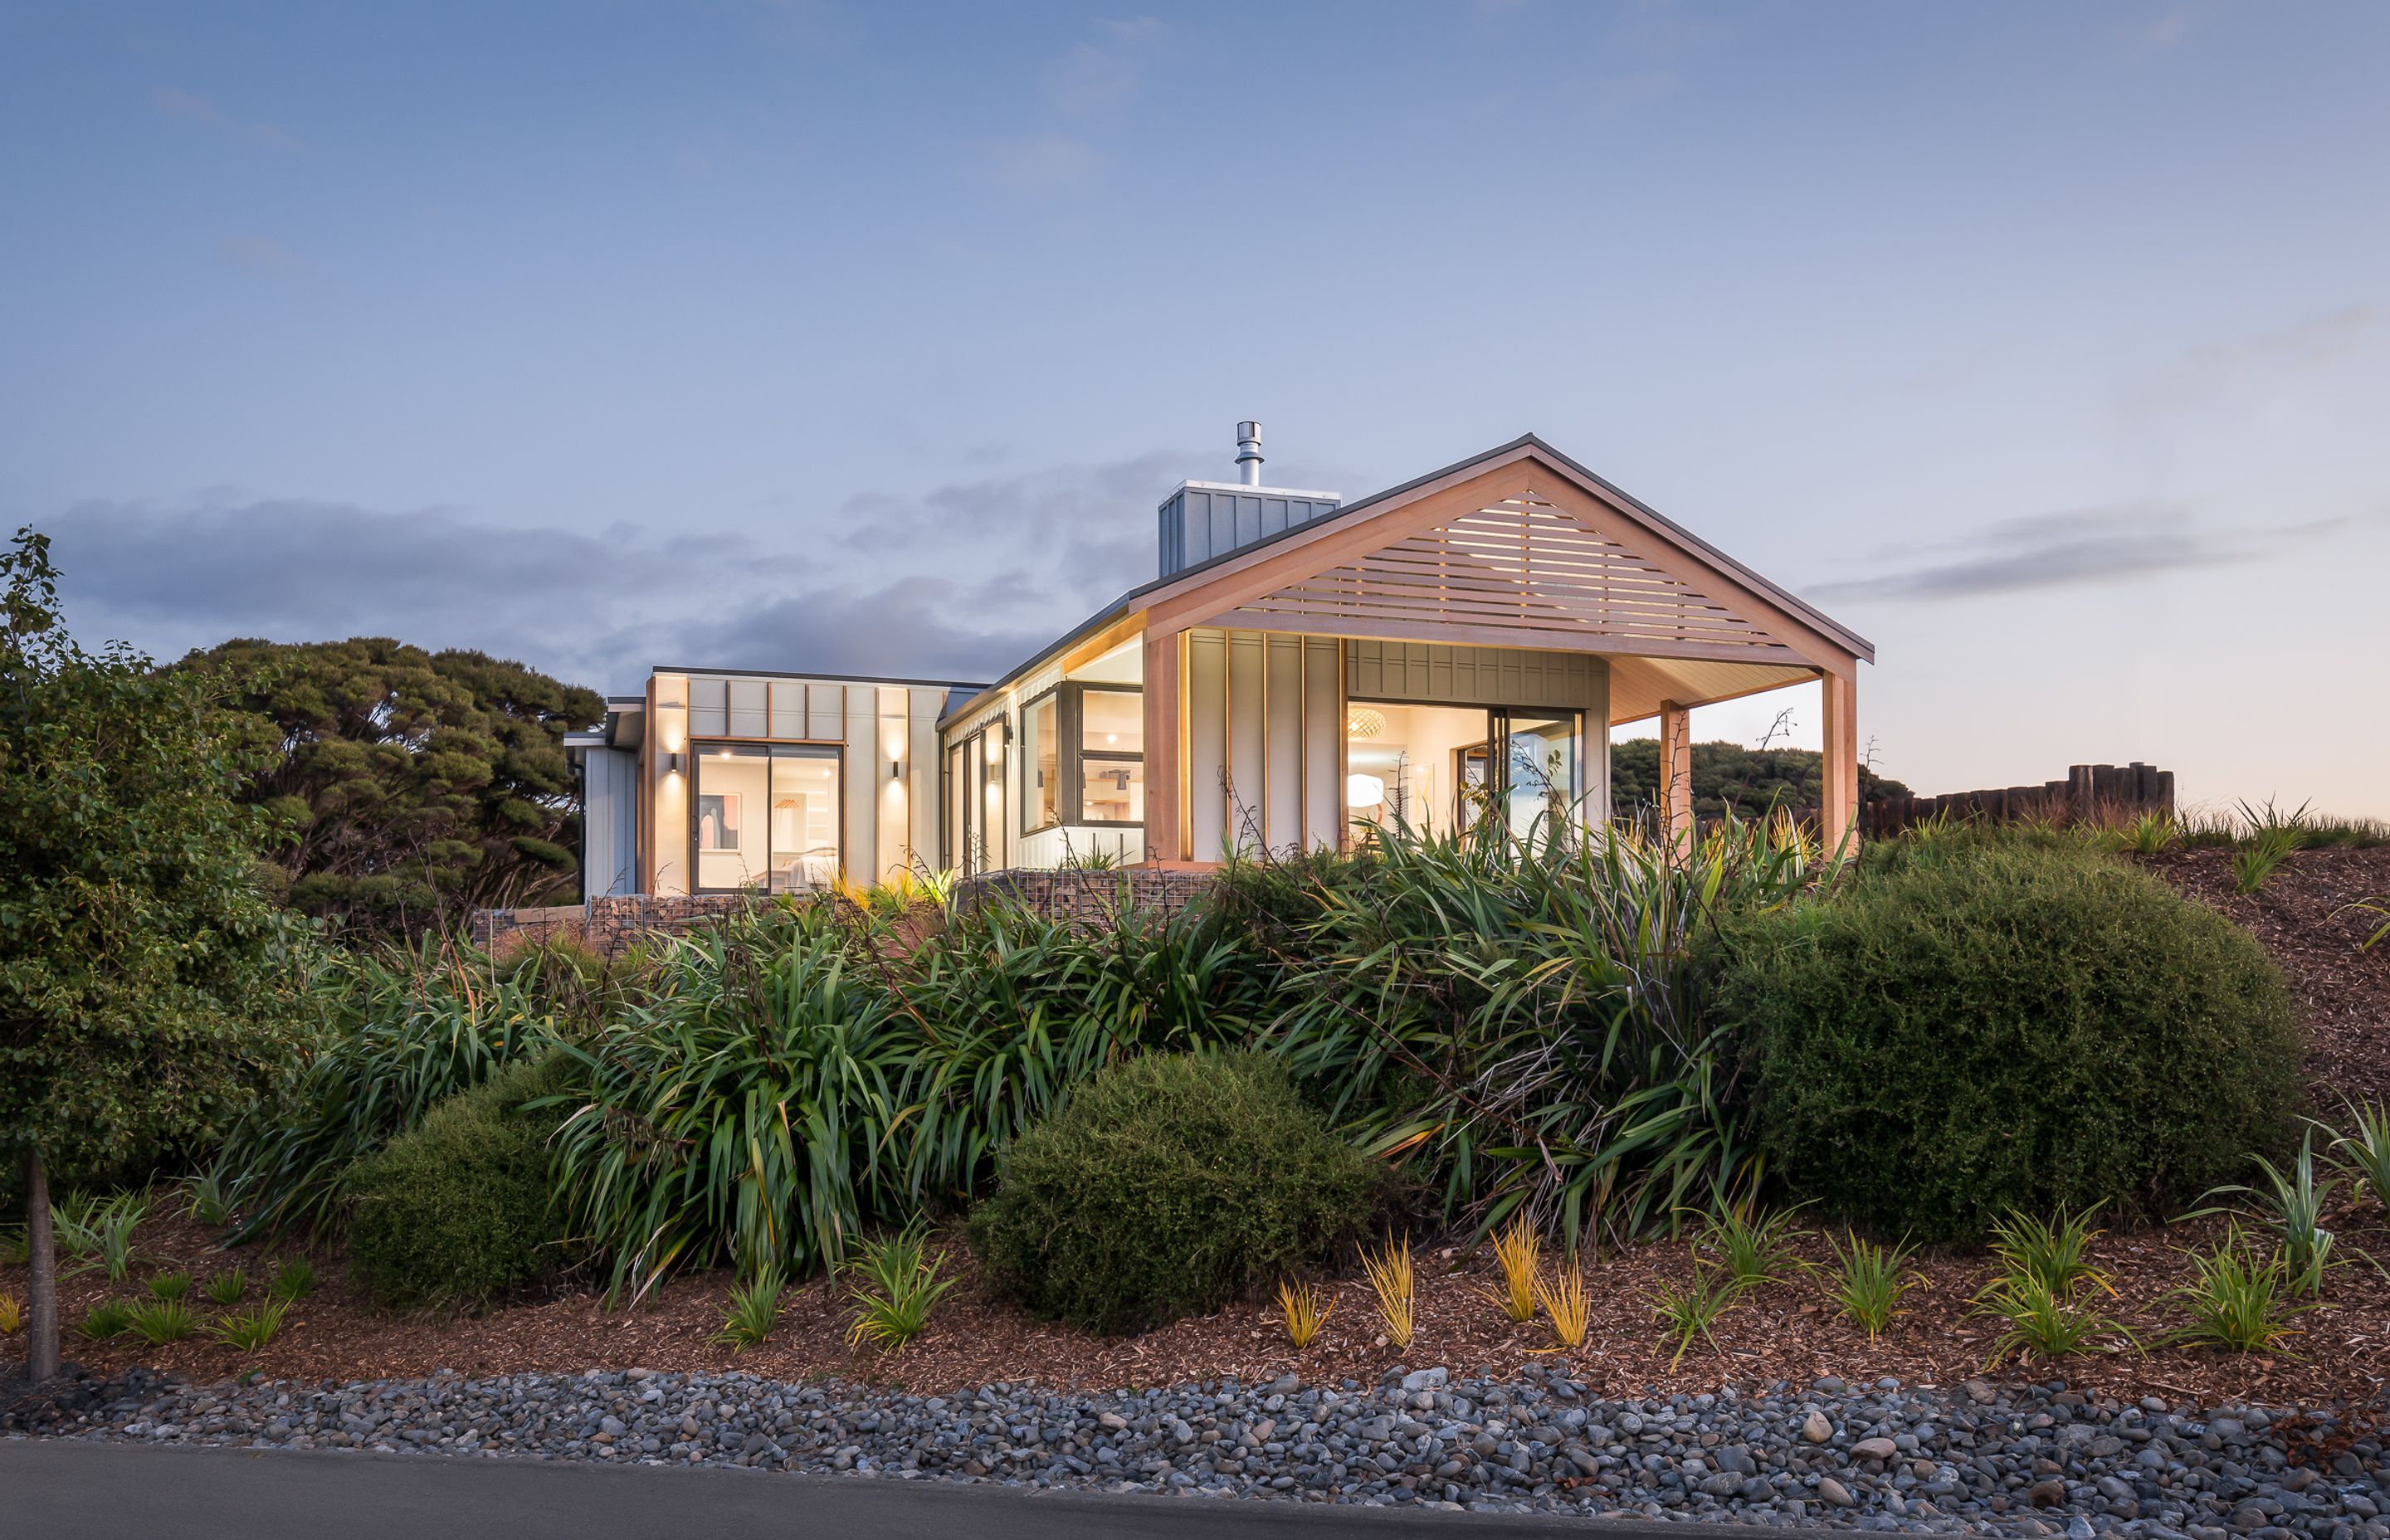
[[1978, 1022], [1167, 1186]]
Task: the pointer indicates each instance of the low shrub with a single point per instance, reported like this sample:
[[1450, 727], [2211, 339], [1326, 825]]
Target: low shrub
[[1976, 1021], [1167, 1186], [455, 1212]]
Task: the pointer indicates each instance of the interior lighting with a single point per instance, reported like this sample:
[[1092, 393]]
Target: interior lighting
[[1362, 790], [1361, 722]]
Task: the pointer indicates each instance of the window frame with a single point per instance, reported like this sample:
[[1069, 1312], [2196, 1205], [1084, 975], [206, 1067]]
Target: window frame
[[700, 749], [1070, 755]]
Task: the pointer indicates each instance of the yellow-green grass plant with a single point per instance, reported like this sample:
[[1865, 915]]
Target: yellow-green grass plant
[[754, 1309], [1303, 1308], [157, 1322], [1391, 1278], [2237, 1300], [1566, 1304], [1518, 1251], [1690, 1309], [894, 1285], [1868, 1281], [2257, 857], [227, 1286], [251, 1330], [2041, 1322], [2149, 833], [1754, 1244], [12, 1314]]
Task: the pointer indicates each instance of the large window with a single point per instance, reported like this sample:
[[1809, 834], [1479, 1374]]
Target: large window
[[1084, 747], [764, 817], [1438, 768], [975, 801]]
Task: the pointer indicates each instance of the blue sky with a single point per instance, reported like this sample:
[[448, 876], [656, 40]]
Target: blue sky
[[2047, 345]]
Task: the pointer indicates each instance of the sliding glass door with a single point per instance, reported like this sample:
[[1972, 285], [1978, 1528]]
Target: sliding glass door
[[765, 817]]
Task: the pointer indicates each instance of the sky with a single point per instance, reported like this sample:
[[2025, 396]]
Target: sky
[[2046, 345]]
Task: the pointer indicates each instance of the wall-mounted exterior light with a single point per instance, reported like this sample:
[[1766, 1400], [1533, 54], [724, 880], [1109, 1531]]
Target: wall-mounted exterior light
[[675, 764], [896, 769]]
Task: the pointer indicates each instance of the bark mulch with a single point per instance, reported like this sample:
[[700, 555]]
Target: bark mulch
[[1785, 1331], [2306, 915]]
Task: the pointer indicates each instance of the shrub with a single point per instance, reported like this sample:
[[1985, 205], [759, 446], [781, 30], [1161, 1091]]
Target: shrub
[[455, 1212], [1167, 1186], [1978, 1022]]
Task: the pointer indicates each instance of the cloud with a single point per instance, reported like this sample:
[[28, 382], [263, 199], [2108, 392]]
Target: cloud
[[184, 107], [1040, 164], [1102, 75], [2168, 30], [2231, 371], [960, 581], [2040, 551]]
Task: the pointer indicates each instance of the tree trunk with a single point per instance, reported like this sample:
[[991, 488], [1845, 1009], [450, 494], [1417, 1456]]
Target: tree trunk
[[42, 1332]]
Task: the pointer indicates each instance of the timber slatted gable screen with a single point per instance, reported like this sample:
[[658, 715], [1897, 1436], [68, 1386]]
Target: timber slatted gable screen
[[1520, 565]]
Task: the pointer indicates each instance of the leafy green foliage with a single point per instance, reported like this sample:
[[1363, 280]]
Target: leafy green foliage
[[98, 1232], [2292, 1203], [1732, 778], [2257, 858], [295, 1279], [2040, 1321], [397, 1031], [413, 787], [1524, 1017], [1169, 1186], [2363, 1155], [455, 1212], [228, 1287], [139, 963], [894, 1285], [2005, 1021], [169, 1285], [2053, 1254]]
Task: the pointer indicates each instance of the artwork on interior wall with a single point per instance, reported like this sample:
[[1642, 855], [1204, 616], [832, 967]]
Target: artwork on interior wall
[[717, 820]]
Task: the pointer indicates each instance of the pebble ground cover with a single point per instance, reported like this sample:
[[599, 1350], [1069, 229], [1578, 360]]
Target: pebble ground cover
[[2033, 1459]]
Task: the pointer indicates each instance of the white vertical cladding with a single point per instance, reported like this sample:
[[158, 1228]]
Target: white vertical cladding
[[861, 734], [922, 763], [1323, 743], [1248, 762], [1282, 738], [825, 713], [610, 830], [892, 745], [668, 733], [709, 704], [1207, 743], [787, 708], [748, 716]]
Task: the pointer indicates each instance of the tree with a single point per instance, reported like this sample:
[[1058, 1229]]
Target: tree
[[1727, 775], [414, 786], [140, 965]]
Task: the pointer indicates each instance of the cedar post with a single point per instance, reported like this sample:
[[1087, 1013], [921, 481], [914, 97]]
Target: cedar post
[[1839, 804], [1676, 775], [1164, 830]]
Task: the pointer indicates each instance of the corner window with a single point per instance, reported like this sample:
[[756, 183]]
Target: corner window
[[1086, 757]]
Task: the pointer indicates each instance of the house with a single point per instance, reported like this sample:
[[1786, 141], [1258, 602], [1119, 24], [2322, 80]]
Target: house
[[1299, 666]]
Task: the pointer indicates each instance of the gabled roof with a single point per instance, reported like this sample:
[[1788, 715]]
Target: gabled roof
[[1810, 637]]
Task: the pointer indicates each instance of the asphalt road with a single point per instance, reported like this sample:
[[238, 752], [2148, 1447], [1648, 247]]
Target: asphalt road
[[70, 1488]]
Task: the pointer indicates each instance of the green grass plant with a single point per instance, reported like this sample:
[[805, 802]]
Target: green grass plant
[[2237, 1300], [2259, 856], [157, 1322], [1691, 1308], [2148, 833], [2292, 1203], [754, 1309], [893, 1284], [169, 1285], [295, 1279], [227, 1286], [2363, 1154], [1867, 1281], [108, 1318], [1754, 1244], [2039, 1321], [2053, 1255], [98, 1231]]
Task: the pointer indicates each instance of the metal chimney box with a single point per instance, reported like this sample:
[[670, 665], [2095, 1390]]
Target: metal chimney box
[[1202, 521]]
